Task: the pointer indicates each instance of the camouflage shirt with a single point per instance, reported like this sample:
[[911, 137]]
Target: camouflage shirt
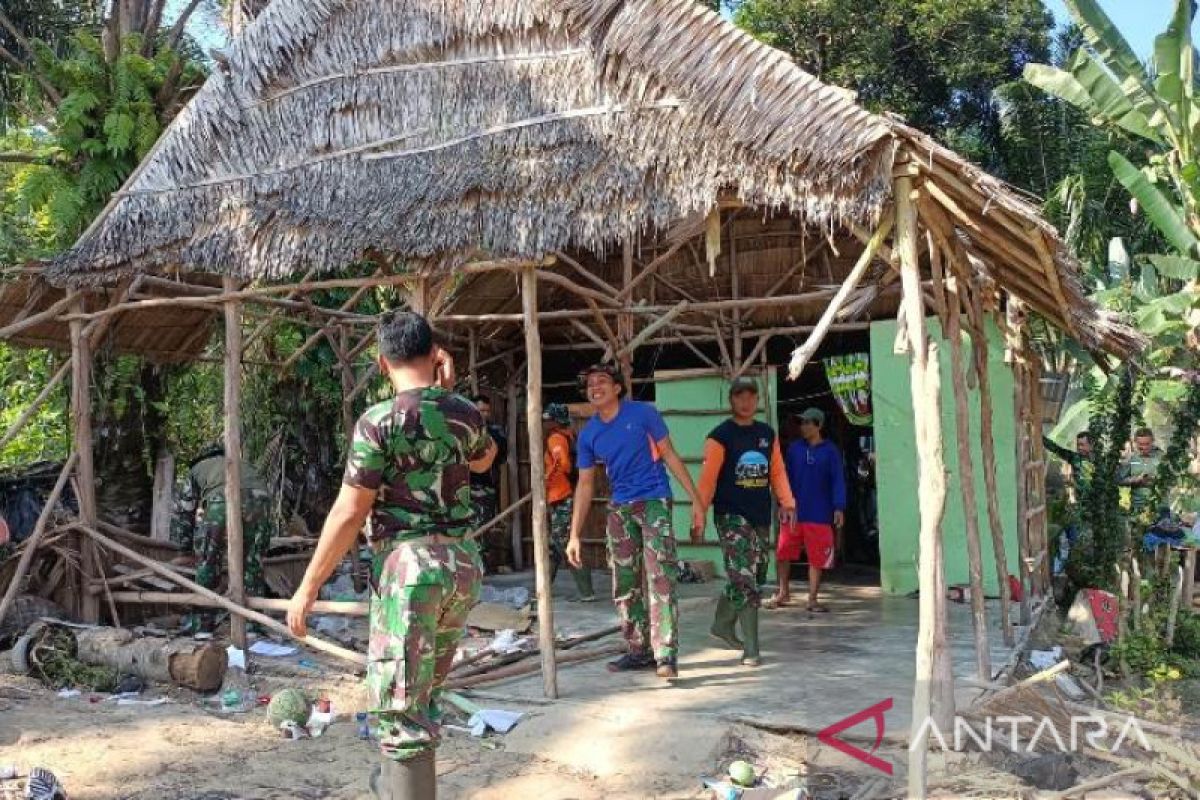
[[415, 451]]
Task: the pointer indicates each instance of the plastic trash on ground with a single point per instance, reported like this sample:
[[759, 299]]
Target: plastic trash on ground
[[513, 597]]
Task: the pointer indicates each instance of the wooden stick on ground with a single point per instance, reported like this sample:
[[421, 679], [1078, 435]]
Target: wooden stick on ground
[[517, 670], [255, 616], [39, 530]]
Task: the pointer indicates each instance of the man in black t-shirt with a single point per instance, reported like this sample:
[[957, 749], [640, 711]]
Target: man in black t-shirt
[[485, 490], [742, 464]]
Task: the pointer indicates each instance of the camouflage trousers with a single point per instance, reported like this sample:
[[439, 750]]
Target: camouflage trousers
[[560, 532], [746, 548], [211, 542], [420, 597], [641, 551], [486, 501]]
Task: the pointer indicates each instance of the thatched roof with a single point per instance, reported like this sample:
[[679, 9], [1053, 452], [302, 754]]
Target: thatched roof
[[442, 132]]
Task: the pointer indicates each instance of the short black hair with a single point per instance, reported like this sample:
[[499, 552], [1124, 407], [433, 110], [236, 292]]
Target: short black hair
[[1083, 435], [481, 398], [1140, 432], [404, 336]]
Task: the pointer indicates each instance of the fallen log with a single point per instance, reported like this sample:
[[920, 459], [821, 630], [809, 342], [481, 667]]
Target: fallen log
[[195, 665]]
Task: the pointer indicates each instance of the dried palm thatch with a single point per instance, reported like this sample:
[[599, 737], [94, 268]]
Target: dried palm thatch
[[442, 132]]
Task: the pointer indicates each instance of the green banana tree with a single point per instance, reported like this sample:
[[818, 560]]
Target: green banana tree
[[1106, 80]]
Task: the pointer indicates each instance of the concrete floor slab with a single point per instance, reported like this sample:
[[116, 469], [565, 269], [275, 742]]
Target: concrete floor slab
[[817, 670]]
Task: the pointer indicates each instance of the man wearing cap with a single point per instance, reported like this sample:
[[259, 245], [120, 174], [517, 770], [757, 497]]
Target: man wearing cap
[[632, 441], [818, 481], [742, 464], [559, 466]]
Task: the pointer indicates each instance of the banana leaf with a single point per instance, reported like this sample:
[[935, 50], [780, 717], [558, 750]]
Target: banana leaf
[[1159, 209], [1173, 56], [1092, 90], [1176, 267], [1116, 54]]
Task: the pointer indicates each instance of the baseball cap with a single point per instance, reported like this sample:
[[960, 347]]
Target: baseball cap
[[813, 414], [611, 370], [557, 412], [743, 385]]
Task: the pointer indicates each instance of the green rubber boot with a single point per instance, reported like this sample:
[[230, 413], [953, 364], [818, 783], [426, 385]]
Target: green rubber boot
[[412, 779], [723, 624], [583, 583], [749, 620]]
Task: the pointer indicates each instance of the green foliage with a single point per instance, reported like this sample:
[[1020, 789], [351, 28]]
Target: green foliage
[[937, 63], [23, 374]]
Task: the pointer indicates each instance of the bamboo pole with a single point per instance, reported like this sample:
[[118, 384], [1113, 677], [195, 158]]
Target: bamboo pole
[[313, 338], [81, 413], [39, 531], [48, 315], [537, 481], [1021, 445], [600, 283], [625, 320], [966, 470], [651, 329], [514, 468], [930, 653], [273, 315], [235, 548], [234, 608], [806, 351]]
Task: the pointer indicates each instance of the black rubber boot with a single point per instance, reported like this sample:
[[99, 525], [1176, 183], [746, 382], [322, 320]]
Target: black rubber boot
[[749, 620], [723, 624], [412, 779]]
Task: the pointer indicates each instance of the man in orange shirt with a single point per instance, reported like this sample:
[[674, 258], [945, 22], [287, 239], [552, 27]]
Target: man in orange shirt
[[560, 489], [742, 464]]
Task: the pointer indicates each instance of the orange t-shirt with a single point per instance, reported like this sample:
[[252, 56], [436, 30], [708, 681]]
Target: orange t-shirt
[[558, 467]]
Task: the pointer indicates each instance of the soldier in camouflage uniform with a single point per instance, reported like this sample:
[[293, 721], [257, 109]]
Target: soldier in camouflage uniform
[[198, 526], [633, 443], [742, 463], [408, 478], [485, 492]]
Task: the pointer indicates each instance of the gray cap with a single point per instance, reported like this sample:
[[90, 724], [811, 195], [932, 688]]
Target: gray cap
[[813, 414], [743, 385]]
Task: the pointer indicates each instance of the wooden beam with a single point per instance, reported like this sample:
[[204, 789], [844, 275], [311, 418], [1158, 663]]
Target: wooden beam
[[237, 610], [537, 481], [806, 351], [633, 281], [576, 289], [49, 315], [235, 543], [600, 283], [652, 328], [312, 340], [273, 315]]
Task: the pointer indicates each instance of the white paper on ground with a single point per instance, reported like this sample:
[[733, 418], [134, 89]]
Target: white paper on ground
[[494, 719], [67, 694], [1045, 659], [265, 647], [237, 657], [130, 701]]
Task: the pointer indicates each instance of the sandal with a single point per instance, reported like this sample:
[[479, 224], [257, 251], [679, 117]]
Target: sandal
[[773, 603]]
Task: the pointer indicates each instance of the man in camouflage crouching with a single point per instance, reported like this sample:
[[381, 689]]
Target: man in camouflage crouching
[[199, 526], [408, 471]]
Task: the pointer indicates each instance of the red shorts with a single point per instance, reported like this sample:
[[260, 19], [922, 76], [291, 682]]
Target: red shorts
[[813, 537]]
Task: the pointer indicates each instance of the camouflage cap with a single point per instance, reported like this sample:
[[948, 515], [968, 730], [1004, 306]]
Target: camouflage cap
[[743, 384], [557, 412], [611, 370]]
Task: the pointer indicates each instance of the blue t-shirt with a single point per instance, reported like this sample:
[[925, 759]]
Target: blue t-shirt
[[818, 480], [627, 448]]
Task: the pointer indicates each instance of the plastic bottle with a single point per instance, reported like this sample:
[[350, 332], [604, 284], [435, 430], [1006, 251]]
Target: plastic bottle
[[364, 730]]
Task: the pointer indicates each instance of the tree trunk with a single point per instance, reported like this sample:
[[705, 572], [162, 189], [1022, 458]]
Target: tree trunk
[[195, 665]]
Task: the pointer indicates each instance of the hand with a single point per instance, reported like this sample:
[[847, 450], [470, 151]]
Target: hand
[[443, 372], [699, 522], [297, 615], [574, 552], [787, 515], [839, 520]]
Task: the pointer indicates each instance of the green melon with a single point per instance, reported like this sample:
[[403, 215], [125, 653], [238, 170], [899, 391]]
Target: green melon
[[289, 705], [741, 773]]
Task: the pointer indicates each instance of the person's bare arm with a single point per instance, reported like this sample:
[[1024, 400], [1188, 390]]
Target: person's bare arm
[[585, 490], [345, 520], [680, 471]]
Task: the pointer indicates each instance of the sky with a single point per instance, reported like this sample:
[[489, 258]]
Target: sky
[[1139, 20]]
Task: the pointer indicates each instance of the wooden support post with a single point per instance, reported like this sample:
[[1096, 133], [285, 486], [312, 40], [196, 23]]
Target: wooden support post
[[932, 662], [537, 481], [735, 292], [347, 386], [81, 413], [1037, 477], [1021, 443], [517, 529], [233, 463], [987, 444], [625, 320], [966, 475], [473, 362], [1189, 579]]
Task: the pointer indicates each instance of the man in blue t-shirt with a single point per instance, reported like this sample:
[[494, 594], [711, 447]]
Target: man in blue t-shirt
[[818, 481], [632, 441]]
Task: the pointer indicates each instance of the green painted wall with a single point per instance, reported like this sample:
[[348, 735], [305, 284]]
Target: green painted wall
[[899, 518], [688, 432]]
